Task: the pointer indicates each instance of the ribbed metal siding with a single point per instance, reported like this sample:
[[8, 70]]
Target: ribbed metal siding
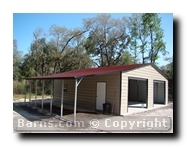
[[147, 72], [86, 97]]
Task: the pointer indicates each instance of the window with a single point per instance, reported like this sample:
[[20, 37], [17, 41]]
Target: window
[[65, 88]]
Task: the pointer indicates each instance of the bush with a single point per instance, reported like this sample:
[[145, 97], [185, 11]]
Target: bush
[[18, 87]]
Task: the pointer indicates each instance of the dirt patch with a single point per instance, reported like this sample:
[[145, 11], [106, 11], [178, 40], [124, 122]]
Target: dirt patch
[[28, 113]]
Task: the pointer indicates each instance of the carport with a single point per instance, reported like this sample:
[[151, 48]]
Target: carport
[[51, 78]]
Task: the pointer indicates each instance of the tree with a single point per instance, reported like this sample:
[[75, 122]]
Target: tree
[[17, 59], [133, 23], [75, 57], [37, 48], [39, 60], [61, 37], [107, 39], [168, 69], [28, 66], [146, 36], [127, 58], [152, 23], [138, 34]]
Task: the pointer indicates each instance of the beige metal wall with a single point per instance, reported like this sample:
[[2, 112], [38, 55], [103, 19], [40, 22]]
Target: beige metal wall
[[57, 92], [67, 95], [147, 72], [87, 89]]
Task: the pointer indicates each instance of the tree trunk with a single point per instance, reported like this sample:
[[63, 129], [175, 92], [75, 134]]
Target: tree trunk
[[54, 71]]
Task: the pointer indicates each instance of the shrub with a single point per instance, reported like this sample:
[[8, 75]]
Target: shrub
[[18, 87]]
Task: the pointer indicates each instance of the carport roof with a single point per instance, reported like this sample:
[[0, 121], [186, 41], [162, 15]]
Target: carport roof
[[89, 72]]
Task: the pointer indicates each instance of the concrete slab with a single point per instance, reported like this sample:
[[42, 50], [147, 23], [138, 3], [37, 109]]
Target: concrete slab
[[135, 107]]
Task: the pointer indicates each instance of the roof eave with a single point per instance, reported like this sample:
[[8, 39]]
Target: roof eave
[[48, 78]]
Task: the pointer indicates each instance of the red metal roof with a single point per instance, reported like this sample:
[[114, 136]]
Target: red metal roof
[[89, 72]]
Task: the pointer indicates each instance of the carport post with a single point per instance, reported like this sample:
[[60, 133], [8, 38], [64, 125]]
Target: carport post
[[30, 93], [42, 93], [25, 90], [75, 101], [51, 97], [35, 92], [62, 97]]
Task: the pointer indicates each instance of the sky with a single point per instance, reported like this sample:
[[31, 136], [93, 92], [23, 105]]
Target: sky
[[24, 25]]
